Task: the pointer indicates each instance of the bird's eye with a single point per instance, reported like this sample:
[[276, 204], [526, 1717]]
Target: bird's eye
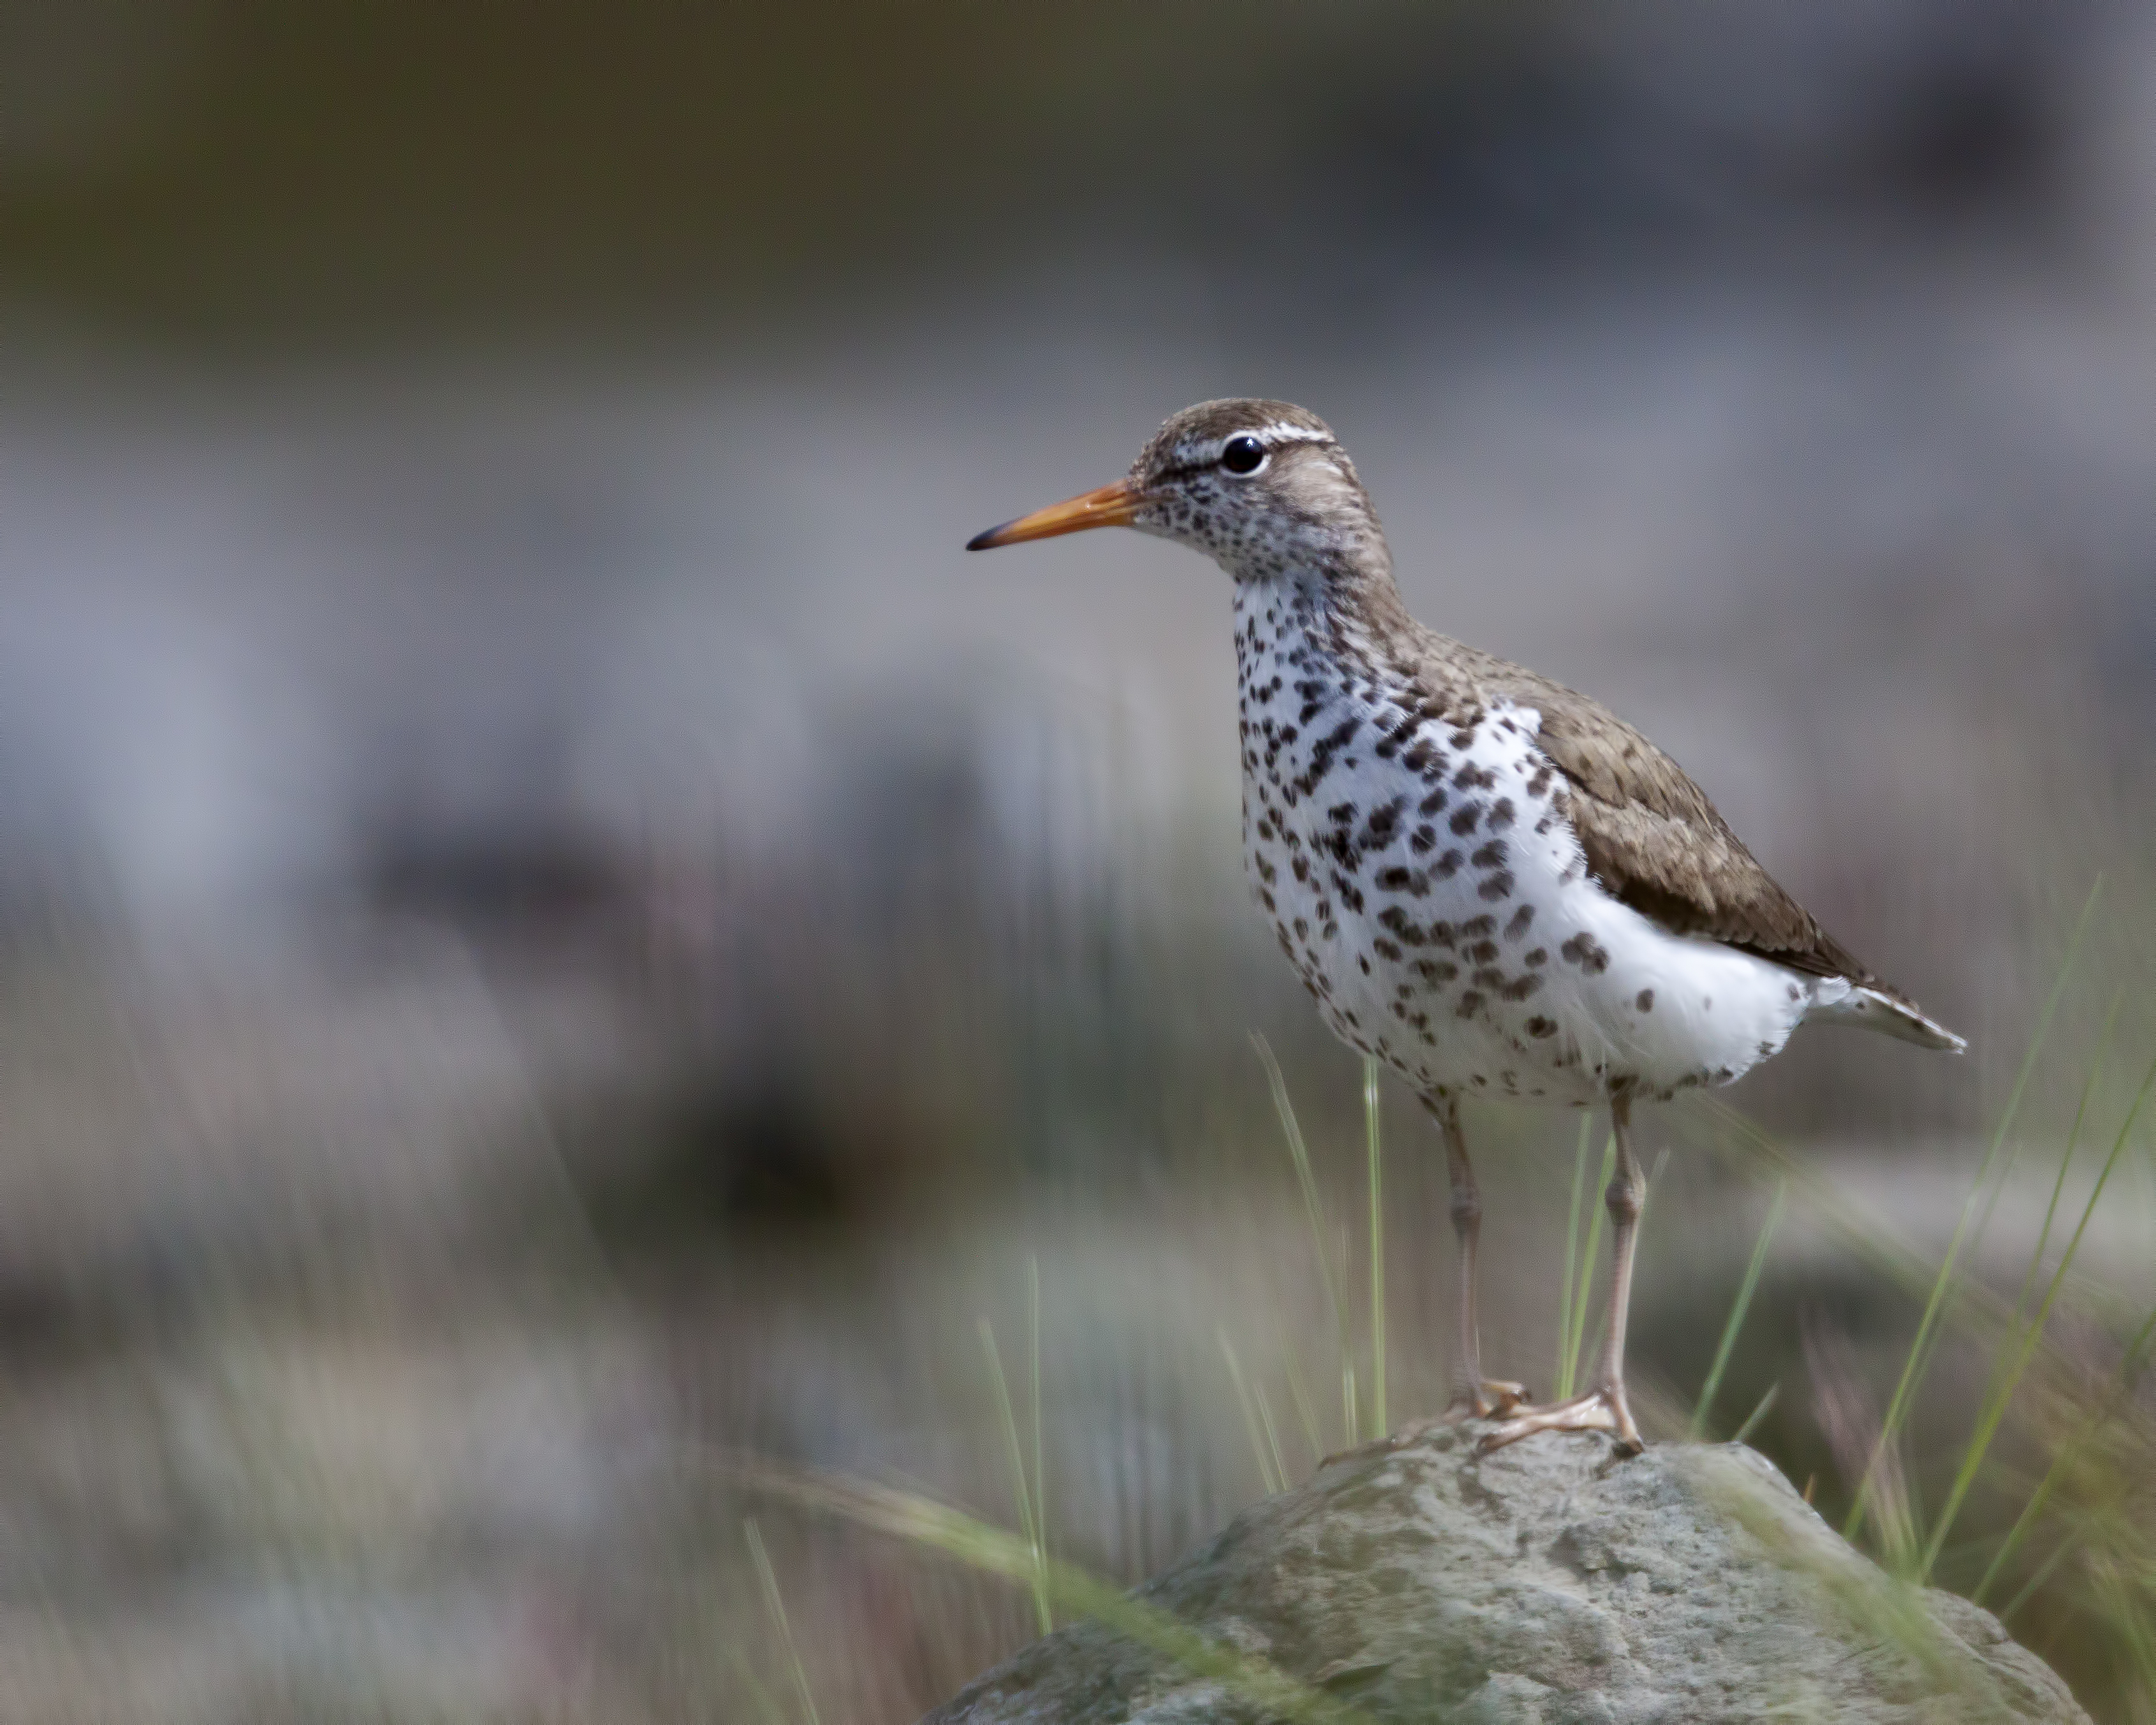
[[1243, 454]]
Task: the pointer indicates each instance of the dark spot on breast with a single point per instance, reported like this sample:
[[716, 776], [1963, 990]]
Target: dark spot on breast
[[1496, 885], [1436, 970], [1487, 976], [1433, 803], [1378, 831], [1395, 878], [1473, 776], [1483, 952], [1521, 919], [1365, 962], [1765, 1049], [1645, 1000], [1475, 927], [1539, 956], [1490, 855], [1540, 1026], [1423, 840], [1471, 1003], [1520, 987], [1386, 949], [1539, 782], [1586, 953], [1464, 818], [1446, 866], [1501, 814]]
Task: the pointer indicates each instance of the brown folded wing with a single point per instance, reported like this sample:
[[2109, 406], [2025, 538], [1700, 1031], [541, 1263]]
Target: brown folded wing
[[1652, 838]]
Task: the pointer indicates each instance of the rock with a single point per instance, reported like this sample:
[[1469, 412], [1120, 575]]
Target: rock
[[1544, 1583]]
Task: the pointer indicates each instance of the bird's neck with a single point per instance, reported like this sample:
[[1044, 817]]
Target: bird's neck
[[1344, 615]]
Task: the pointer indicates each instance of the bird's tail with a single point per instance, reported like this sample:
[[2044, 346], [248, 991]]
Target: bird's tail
[[1871, 1009]]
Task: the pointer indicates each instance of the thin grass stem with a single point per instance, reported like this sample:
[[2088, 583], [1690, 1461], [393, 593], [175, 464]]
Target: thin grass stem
[[775, 1606], [1589, 1259], [1251, 1682], [1373, 1138], [1737, 1311], [1271, 1475], [1272, 1433], [1898, 1409], [1995, 1410], [766, 1704], [2066, 1159], [1027, 1527], [1039, 1437], [1752, 1419], [1305, 1416], [1333, 1280], [1565, 1344], [2067, 1453]]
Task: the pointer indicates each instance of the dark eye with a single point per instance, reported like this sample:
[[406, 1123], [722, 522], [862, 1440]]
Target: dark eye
[[1243, 454]]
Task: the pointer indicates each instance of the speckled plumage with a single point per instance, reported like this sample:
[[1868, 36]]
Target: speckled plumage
[[1489, 882]]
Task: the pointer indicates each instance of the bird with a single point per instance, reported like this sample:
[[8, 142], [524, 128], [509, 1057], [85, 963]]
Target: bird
[[1489, 883]]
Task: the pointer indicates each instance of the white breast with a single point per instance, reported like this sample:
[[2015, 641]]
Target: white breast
[[1423, 880]]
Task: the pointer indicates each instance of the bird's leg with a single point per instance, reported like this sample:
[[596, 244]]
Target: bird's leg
[[1604, 1408], [1473, 1395]]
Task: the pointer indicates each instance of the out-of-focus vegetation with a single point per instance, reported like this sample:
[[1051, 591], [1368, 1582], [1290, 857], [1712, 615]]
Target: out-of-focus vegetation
[[555, 933]]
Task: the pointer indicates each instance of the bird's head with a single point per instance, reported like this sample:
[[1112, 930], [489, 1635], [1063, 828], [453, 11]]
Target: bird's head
[[1262, 487]]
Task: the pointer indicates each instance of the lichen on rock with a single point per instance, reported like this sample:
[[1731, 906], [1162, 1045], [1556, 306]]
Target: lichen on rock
[[1546, 1582]]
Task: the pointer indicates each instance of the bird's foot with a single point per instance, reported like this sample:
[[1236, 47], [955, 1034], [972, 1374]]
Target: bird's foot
[[1604, 1409], [1493, 1399]]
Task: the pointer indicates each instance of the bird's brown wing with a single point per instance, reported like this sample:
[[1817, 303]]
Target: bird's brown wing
[[1654, 841]]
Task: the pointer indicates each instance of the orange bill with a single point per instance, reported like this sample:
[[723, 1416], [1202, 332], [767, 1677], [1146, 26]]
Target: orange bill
[[1109, 506]]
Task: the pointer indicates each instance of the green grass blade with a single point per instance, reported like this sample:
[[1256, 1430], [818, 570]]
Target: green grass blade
[[1333, 1280], [1251, 1681], [2129, 1366], [1022, 1493], [1305, 1416], [1980, 1444], [1271, 1475], [775, 1606], [1380, 1423], [1898, 1409], [1752, 1419], [1039, 1437], [766, 1704], [1589, 1258], [2066, 1159], [1565, 1343], [1743, 1304]]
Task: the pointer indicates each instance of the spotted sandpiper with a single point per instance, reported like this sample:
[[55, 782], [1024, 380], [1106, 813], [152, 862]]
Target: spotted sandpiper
[[1492, 883]]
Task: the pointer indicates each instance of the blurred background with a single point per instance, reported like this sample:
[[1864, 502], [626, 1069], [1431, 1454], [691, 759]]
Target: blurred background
[[555, 930]]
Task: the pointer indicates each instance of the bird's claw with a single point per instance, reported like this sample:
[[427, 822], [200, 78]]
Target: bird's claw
[[1603, 1409]]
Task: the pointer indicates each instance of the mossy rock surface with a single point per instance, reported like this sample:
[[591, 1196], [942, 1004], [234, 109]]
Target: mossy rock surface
[[1544, 1583]]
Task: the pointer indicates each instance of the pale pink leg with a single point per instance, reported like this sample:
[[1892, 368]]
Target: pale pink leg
[[1605, 1407]]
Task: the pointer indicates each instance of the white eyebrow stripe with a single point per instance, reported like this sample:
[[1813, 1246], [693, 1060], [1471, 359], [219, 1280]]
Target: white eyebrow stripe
[[1281, 432]]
